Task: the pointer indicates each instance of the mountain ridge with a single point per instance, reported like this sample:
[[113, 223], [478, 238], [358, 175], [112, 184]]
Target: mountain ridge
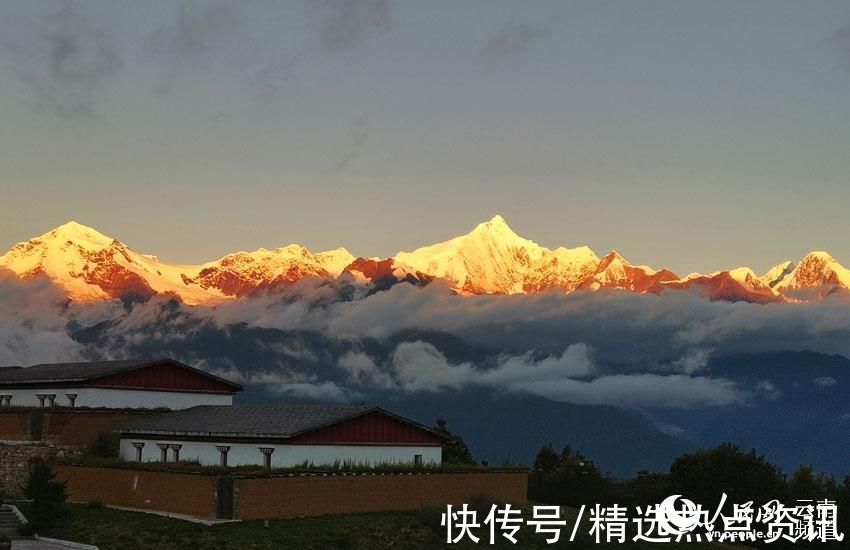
[[490, 259]]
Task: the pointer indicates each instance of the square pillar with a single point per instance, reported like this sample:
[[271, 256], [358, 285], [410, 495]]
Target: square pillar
[[222, 454], [138, 445], [267, 456], [176, 448], [163, 452]]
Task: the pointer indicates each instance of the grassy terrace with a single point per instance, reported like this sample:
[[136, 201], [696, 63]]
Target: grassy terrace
[[82, 409], [189, 467], [121, 530]]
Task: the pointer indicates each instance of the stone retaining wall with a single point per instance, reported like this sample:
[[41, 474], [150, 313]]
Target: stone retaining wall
[[65, 426], [15, 459]]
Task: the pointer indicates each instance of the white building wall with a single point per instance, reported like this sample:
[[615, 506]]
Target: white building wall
[[284, 456], [116, 398]]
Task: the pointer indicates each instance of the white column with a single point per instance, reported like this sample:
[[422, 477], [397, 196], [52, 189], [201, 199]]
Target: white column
[[267, 456]]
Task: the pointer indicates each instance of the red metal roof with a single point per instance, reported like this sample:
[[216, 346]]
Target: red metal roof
[[376, 427], [155, 374], [306, 424]]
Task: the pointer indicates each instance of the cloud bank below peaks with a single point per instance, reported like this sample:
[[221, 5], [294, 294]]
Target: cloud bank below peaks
[[623, 328], [571, 376], [32, 324]]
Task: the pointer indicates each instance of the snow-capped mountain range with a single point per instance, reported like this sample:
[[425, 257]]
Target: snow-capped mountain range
[[491, 259]]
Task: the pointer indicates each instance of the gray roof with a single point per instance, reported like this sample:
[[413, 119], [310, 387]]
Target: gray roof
[[280, 422], [85, 371]]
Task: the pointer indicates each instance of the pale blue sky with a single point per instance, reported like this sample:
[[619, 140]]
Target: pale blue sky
[[690, 134]]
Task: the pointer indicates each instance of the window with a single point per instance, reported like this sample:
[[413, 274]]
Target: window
[[41, 397], [51, 399], [5, 400], [72, 399], [417, 460]]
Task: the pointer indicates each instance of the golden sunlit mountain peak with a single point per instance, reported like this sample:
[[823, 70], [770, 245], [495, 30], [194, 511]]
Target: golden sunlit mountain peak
[[490, 259]]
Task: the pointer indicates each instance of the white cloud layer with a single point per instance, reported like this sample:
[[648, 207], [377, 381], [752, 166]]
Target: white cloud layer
[[32, 323], [571, 376], [607, 348]]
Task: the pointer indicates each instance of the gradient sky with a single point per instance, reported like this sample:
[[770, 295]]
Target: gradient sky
[[690, 134]]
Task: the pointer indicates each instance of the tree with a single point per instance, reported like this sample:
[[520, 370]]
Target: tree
[[48, 496], [805, 484], [571, 459], [842, 499], [547, 460], [105, 445], [569, 478], [703, 476], [455, 450], [647, 489]]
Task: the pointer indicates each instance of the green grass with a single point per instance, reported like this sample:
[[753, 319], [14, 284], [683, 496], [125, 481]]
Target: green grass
[[121, 530]]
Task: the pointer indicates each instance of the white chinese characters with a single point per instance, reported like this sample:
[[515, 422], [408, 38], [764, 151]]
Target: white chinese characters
[[675, 519]]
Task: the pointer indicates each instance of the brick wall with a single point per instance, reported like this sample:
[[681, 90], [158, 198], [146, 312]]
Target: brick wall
[[15, 459], [15, 426], [187, 494], [295, 496], [288, 496]]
